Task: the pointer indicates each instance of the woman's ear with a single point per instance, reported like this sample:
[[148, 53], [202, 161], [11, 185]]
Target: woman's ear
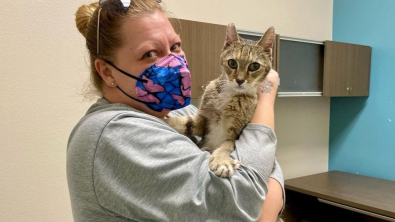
[[105, 72]]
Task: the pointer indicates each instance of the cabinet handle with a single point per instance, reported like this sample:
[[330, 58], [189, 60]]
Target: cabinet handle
[[349, 88], [356, 210], [203, 87]]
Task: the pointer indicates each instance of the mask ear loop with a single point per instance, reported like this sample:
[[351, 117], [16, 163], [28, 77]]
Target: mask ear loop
[[98, 34], [125, 73]]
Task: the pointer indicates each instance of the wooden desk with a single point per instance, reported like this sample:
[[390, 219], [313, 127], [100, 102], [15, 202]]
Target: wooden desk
[[324, 196]]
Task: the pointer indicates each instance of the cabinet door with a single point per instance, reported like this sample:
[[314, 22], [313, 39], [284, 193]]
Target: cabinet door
[[202, 44], [301, 65], [346, 69]]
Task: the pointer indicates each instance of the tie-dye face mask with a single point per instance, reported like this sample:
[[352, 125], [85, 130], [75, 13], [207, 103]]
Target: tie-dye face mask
[[164, 86]]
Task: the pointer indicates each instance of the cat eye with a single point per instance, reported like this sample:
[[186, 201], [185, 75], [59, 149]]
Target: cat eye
[[254, 66], [232, 64]]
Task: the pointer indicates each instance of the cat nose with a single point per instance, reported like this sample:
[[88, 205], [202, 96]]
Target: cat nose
[[240, 81]]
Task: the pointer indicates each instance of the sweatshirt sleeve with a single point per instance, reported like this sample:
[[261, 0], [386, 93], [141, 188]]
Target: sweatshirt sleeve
[[256, 148], [277, 174], [247, 142], [145, 171]]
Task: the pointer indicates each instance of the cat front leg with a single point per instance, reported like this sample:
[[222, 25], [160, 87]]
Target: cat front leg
[[188, 125], [221, 163]]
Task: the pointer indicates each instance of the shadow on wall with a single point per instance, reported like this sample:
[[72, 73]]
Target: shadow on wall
[[347, 110]]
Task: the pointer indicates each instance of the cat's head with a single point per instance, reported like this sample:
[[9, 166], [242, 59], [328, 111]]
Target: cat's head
[[245, 63]]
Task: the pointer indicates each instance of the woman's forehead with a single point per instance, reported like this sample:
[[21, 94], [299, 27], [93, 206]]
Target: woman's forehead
[[149, 27]]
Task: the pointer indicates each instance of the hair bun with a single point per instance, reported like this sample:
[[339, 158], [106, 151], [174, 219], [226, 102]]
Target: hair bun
[[84, 15]]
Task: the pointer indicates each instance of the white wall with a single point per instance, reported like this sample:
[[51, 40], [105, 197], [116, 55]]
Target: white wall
[[44, 67], [310, 19]]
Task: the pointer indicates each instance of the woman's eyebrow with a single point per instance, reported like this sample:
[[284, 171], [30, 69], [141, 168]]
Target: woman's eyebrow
[[151, 44], [146, 45], [177, 38]]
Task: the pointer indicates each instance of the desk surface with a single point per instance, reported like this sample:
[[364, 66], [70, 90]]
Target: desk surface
[[366, 193]]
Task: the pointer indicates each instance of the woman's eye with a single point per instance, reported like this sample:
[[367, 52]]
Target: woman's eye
[[232, 64], [149, 54], [254, 66], [175, 47]]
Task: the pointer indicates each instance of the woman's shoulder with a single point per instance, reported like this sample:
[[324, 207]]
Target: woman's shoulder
[[104, 109], [105, 113], [104, 116]]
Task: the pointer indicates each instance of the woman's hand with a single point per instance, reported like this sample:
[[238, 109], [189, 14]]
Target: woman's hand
[[269, 85], [267, 91]]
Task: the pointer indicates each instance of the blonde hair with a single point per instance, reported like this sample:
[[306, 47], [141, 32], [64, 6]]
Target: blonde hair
[[110, 40]]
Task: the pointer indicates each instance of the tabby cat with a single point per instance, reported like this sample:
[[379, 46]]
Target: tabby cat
[[229, 101]]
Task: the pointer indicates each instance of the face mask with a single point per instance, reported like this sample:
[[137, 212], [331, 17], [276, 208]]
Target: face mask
[[166, 85]]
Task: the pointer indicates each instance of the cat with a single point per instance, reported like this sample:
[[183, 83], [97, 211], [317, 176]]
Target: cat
[[229, 101]]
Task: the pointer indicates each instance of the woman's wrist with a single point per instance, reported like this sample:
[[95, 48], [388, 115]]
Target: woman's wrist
[[267, 90]]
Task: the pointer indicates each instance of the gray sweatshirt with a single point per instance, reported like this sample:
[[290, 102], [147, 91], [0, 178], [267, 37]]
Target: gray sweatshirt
[[126, 165]]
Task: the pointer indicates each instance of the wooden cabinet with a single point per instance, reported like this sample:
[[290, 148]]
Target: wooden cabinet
[[339, 196], [202, 44], [346, 69], [306, 68], [332, 69]]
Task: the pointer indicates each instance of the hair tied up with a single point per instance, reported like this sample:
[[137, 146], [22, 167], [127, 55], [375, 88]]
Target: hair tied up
[[83, 17]]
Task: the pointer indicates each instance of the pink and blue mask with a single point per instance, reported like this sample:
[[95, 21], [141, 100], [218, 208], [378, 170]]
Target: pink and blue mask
[[164, 86]]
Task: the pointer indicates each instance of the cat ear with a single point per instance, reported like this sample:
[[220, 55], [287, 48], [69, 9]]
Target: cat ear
[[231, 35], [267, 40]]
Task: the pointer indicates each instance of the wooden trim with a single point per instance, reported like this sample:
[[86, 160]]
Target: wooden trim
[[276, 53]]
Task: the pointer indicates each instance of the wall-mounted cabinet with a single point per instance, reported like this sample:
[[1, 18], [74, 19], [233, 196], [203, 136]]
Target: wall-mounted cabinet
[[306, 68], [202, 44], [347, 69]]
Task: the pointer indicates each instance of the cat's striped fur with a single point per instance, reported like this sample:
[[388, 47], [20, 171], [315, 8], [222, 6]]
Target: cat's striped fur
[[229, 101]]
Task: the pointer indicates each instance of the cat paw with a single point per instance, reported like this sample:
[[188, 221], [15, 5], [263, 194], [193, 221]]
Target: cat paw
[[223, 167]]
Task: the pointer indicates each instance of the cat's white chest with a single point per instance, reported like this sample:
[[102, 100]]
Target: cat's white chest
[[216, 136]]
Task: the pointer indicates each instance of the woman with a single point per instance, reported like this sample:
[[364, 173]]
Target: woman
[[124, 163]]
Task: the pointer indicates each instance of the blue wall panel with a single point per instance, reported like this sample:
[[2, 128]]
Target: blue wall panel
[[362, 129]]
